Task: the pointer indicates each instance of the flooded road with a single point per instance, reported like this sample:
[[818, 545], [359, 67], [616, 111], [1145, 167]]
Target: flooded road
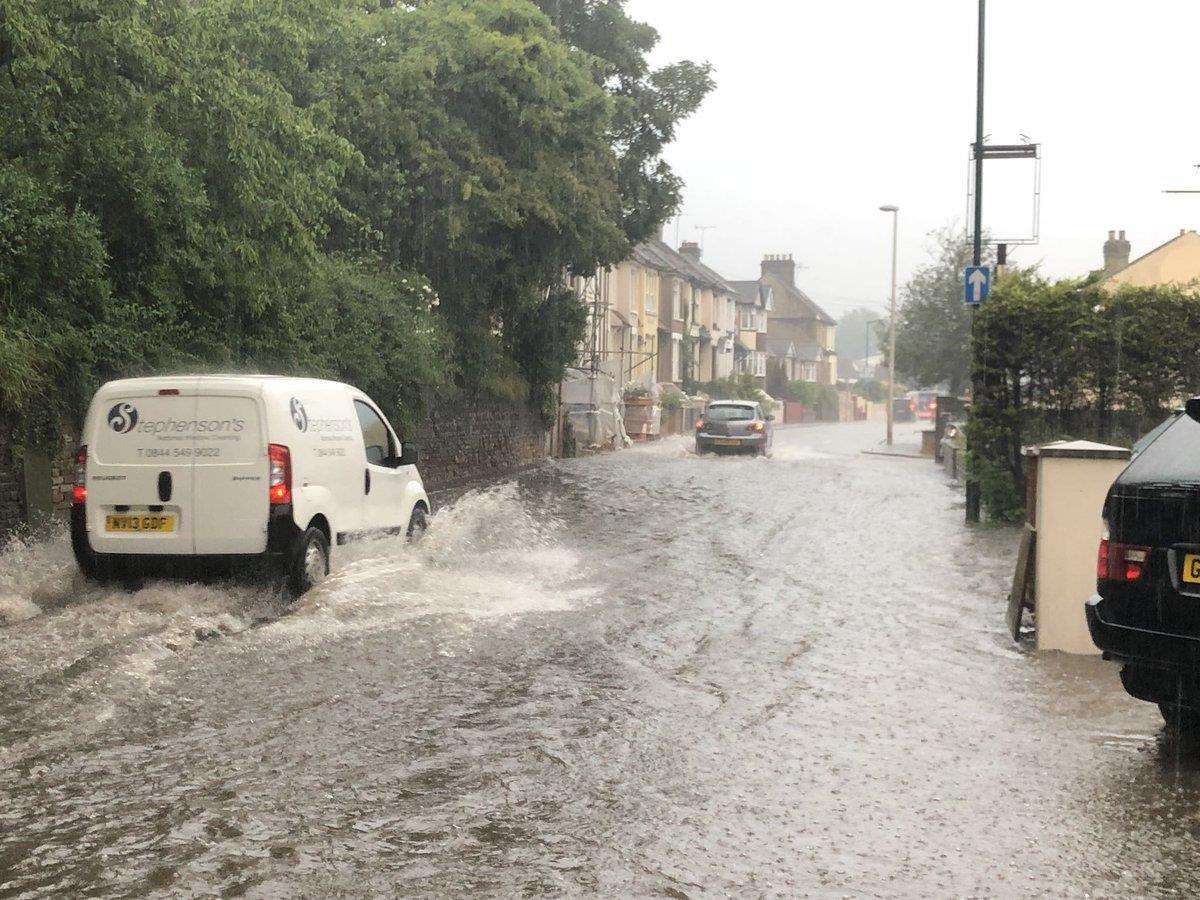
[[643, 673]]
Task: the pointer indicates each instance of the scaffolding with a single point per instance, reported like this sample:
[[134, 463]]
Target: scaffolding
[[623, 364]]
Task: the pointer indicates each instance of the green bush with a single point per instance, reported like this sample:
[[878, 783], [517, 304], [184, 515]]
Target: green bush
[[1070, 359]]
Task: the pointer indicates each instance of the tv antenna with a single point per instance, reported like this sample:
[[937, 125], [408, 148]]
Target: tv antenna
[[704, 230]]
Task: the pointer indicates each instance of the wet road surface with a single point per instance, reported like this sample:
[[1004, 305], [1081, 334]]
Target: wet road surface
[[643, 673]]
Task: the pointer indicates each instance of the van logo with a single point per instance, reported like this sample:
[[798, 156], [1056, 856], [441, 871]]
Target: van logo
[[299, 416], [123, 418]]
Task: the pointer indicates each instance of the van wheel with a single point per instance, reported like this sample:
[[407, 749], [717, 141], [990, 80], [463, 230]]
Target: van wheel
[[310, 562], [418, 524]]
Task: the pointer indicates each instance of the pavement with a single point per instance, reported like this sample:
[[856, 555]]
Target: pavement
[[642, 673]]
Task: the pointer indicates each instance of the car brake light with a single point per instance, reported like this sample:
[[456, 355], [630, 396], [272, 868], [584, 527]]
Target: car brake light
[[1121, 562], [280, 490], [79, 491]]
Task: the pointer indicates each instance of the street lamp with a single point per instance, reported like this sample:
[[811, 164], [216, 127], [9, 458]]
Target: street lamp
[[891, 391]]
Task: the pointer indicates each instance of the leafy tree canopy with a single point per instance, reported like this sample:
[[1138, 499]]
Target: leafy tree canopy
[[649, 103], [933, 329], [383, 192]]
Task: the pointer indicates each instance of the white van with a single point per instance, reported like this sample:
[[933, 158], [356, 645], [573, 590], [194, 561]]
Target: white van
[[230, 466]]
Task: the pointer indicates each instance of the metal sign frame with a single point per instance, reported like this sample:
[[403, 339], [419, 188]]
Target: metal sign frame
[[1002, 152]]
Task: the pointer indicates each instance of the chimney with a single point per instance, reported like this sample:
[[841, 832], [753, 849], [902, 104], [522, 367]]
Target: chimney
[[1116, 253], [781, 265], [690, 249]]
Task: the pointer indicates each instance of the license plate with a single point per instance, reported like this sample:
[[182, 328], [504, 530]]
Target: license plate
[[1191, 568], [149, 522], [726, 442]]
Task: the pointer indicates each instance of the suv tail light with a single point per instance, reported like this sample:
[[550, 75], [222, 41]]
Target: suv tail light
[[79, 491], [699, 424], [280, 490], [1121, 562]]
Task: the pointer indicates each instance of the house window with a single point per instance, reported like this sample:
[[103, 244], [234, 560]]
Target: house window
[[651, 301], [676, 358], [760, 363], [676, 300], [748, 318]]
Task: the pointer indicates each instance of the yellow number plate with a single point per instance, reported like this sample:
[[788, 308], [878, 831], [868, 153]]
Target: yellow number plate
[[151, 522], [1191, 568], [726, 442]]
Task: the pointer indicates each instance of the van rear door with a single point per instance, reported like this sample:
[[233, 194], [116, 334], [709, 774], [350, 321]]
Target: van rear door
[[230, 471], [139, 468]]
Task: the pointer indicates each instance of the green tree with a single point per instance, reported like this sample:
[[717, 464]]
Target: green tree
[[649, 103], [486, 165], [933, 329]]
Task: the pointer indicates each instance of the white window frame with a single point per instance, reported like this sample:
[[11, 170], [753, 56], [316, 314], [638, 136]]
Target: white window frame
[[747, 318], [676, 358], [651, 303]]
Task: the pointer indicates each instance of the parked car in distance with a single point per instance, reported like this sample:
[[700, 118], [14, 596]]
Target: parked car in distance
[[734, 426], [1146, 610], [902, 411], [237, 467], [923, 404]]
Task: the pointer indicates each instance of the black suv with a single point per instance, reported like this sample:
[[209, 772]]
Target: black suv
[[1146, 612]]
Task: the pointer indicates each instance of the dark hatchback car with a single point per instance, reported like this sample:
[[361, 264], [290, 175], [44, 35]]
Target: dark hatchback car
[[1146, 611], [734, 426]]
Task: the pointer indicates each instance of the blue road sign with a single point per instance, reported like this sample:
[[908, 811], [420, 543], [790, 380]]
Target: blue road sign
[[977, 284]]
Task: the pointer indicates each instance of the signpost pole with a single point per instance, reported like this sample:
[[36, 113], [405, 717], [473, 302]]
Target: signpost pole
[[973, 490]]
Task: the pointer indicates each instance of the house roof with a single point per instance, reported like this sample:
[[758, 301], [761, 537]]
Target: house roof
[[780, 347], [657, 254], [750, 292], [1168, 263], [793, 303], [810, 351]]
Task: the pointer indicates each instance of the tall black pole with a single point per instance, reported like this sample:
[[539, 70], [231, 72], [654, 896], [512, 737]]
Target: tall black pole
[[973, 492], [978, 255]]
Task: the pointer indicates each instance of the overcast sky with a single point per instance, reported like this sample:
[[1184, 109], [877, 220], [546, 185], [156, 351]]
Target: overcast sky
[[826, 109]]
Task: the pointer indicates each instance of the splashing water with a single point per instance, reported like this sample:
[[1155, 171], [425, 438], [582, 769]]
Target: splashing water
[[70, 644]]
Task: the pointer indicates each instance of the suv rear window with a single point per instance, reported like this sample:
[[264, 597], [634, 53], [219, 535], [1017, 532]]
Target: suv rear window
[[1174, 457], [730, 413]]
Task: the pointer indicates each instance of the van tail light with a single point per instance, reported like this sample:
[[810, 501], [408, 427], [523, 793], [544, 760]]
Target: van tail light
[[280, 490], [79, 491], [1121, 562]]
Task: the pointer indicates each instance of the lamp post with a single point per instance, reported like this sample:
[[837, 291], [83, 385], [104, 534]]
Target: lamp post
[[891, 391]]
